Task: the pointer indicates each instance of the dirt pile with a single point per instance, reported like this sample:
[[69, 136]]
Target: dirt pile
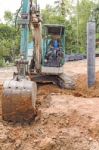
[[82, 88], [66, 123]]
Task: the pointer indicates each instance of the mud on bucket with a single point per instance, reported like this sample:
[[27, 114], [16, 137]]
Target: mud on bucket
[[18, 100]]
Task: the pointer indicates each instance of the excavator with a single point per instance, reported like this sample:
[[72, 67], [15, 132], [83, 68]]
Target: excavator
[[44, 66]]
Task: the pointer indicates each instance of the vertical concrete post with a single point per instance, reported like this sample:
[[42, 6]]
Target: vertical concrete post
[[91, 46]]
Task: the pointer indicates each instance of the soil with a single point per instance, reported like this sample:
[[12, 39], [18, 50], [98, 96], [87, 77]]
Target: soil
[[67, 119]]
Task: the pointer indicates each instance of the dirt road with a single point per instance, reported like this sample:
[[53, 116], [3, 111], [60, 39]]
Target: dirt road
[[69, 119]]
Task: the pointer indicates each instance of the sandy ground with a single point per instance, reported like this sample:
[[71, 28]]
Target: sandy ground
[[6, 73], [69, 119]]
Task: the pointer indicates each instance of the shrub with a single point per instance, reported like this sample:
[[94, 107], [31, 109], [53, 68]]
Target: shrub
[[1, 62]]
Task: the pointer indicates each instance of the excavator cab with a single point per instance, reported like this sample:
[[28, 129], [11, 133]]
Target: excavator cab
[[53, 48]]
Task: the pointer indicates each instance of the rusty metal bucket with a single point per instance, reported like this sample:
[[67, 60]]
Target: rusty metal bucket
[[18, 100]]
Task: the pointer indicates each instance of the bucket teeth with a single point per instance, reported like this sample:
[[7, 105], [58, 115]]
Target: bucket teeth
[[18, 100]]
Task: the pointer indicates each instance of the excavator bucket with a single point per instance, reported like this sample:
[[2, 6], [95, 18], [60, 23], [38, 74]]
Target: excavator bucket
[[18, 100]]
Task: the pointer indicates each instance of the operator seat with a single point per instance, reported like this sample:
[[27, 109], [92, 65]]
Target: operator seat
[[54, 53]]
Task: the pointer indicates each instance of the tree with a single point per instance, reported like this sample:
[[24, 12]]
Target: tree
[[9, 40], [50, 16], [8, 17], [84, 10]]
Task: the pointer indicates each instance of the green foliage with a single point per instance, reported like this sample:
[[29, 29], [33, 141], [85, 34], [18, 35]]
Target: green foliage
[[9, 40], [1, 62], [76, 32], [97, 36], [84, 12], [49, 16], [8, 17], [9, 37], [6, 32]]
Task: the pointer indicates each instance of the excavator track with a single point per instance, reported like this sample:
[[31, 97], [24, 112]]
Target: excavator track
[[61, 80]]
